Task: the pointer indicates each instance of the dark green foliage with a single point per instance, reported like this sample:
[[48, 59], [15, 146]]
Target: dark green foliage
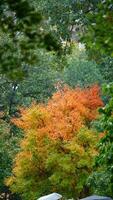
[[65, 16], [8, 149], [99, 34], [106, 68], [21, 33], [5, 160], [92, 19], [80, 71], [81, 20], [40, 81], [38, 85], [102, 179]]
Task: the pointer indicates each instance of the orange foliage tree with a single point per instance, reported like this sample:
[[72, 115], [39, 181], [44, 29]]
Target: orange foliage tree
[[58, 147]]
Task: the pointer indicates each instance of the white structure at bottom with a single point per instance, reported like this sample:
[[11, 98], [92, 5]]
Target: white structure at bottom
[[53, 196]]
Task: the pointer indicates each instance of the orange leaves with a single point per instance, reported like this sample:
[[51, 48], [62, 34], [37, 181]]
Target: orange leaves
[[67, 112], [71, 109], [101, 135]]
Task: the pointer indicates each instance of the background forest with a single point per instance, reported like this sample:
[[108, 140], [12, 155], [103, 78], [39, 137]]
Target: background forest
[[56, 98]]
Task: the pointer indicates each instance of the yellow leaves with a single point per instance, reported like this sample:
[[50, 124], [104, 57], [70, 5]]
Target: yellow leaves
[[9, 181], [75, 148], [84, 141], [33, 117], [87, 136]]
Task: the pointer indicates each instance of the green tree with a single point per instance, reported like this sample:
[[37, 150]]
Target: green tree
[[106, 68], [80, 71], [87, 21], [21, 33], [102, 179], [99, 32], [66, 16], [8, 149], [38, 84]]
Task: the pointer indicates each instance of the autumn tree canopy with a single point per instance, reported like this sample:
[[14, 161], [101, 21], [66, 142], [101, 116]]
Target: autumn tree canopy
[[59, 146]]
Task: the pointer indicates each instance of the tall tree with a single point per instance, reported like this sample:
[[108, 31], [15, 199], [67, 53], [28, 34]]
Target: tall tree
[[58, 148]]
